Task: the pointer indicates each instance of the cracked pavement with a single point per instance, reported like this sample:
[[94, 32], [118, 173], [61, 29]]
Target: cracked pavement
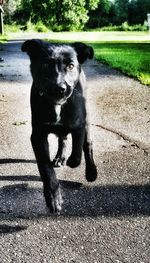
[[106, 221]]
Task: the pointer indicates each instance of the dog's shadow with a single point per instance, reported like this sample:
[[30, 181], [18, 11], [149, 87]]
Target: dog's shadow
[[23, 201]]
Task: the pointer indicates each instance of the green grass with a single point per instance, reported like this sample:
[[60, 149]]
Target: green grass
[[3, 38], [141, 37], [132, 59]]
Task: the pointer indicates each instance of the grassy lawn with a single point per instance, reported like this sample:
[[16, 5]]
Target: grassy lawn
[[121, 37], [132, 59]]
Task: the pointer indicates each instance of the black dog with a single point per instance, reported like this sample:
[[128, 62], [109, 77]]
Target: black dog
[[58, 105]]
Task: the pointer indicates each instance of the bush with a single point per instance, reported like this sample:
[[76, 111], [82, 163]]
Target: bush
[[12, 28], [28, 26], [40, 27]]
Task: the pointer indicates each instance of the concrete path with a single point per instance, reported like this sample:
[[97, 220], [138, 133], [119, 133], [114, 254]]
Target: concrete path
[[107, 221]]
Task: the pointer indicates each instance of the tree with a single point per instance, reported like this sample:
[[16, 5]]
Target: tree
[[138, 10], [69, 15], [121, 11], [101, 15], [58, 14], [10, 7]]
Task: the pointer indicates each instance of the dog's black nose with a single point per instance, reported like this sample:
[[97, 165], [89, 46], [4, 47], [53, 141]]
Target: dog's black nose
[[62, 88]]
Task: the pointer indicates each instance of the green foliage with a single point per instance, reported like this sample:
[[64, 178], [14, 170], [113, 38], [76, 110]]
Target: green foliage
[[100, 16], [133, 11], [91, 4], [131, 58], [28, 26], [40, 27], [121, 11], [118, 12], [75, 15], [138, 10], [11, 28], [70, 16], [57, 14], [10, 7]]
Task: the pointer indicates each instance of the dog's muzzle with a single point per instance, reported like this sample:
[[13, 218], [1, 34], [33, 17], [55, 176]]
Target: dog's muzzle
[[61, 89], [57, 93], [62, 92]]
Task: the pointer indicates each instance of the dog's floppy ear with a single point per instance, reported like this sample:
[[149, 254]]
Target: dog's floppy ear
[[83, 51], [32, 47]]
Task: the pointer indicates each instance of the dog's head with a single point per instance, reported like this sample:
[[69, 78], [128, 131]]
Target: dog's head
[[56, 68]]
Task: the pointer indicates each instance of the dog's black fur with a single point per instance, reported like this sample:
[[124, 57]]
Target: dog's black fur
[[58, 105]]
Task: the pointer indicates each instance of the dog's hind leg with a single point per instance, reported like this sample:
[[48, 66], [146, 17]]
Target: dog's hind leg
[[91, 171], [50, 182], [60, 156]]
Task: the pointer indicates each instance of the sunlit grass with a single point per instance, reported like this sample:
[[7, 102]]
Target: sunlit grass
[[132, 59], [103, 36]]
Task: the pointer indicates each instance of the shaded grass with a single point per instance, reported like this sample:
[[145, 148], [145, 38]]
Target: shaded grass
[[132, 59], [3, 38]]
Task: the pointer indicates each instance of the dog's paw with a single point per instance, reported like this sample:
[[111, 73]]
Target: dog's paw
[[58, 161], [73, 161], [53, 200], [91, 172]]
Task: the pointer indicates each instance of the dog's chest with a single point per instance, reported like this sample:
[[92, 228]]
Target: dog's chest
[[57, 115], [57, 112], [66, 117], [63, 116]]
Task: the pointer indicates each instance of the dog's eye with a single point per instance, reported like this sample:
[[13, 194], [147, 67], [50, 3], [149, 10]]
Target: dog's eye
[[70, 67]]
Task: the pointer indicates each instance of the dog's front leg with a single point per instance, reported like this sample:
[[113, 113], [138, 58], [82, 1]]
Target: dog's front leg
[[91, 171], [77, 145], [50, 183], [60, 156]]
